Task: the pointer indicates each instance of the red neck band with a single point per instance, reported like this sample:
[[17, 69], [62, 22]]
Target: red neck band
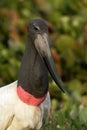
[[28, 98]]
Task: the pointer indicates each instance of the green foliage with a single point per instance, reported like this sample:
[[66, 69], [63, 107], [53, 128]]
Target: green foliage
[[67, 23]]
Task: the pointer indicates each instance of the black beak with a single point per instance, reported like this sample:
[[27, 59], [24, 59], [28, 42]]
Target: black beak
[[42, 46]]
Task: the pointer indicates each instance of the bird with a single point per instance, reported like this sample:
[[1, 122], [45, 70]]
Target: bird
[[25, 103]]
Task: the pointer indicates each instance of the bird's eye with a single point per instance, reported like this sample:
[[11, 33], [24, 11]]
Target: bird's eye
[[36, 27]]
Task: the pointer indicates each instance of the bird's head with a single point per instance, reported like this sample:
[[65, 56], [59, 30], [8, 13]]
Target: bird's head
[[38, 31]]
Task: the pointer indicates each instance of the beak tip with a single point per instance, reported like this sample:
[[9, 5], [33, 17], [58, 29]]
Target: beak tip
[[62, 88], [64, 91]]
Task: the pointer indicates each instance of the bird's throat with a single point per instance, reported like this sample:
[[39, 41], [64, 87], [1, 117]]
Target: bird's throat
[[33, 75]]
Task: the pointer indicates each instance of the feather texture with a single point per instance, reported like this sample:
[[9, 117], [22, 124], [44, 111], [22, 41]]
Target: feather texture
[[17, 115]]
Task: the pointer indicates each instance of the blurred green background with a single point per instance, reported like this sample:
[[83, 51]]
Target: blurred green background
[[67, 23]]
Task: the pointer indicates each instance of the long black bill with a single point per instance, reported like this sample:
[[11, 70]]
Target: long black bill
[[42, 46]]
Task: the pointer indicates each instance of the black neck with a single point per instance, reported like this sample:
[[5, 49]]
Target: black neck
[[33, 75]]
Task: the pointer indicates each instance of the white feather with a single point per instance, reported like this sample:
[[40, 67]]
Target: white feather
[[16, 115]]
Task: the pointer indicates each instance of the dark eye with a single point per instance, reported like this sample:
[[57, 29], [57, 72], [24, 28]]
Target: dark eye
[[36, 27]]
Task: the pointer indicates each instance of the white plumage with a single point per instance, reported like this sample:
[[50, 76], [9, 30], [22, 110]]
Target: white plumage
[[16, 115]]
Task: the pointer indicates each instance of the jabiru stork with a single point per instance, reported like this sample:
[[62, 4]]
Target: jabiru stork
[[25, 103]]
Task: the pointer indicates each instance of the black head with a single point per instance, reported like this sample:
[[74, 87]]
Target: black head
[[35, 27], [38, 32]]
